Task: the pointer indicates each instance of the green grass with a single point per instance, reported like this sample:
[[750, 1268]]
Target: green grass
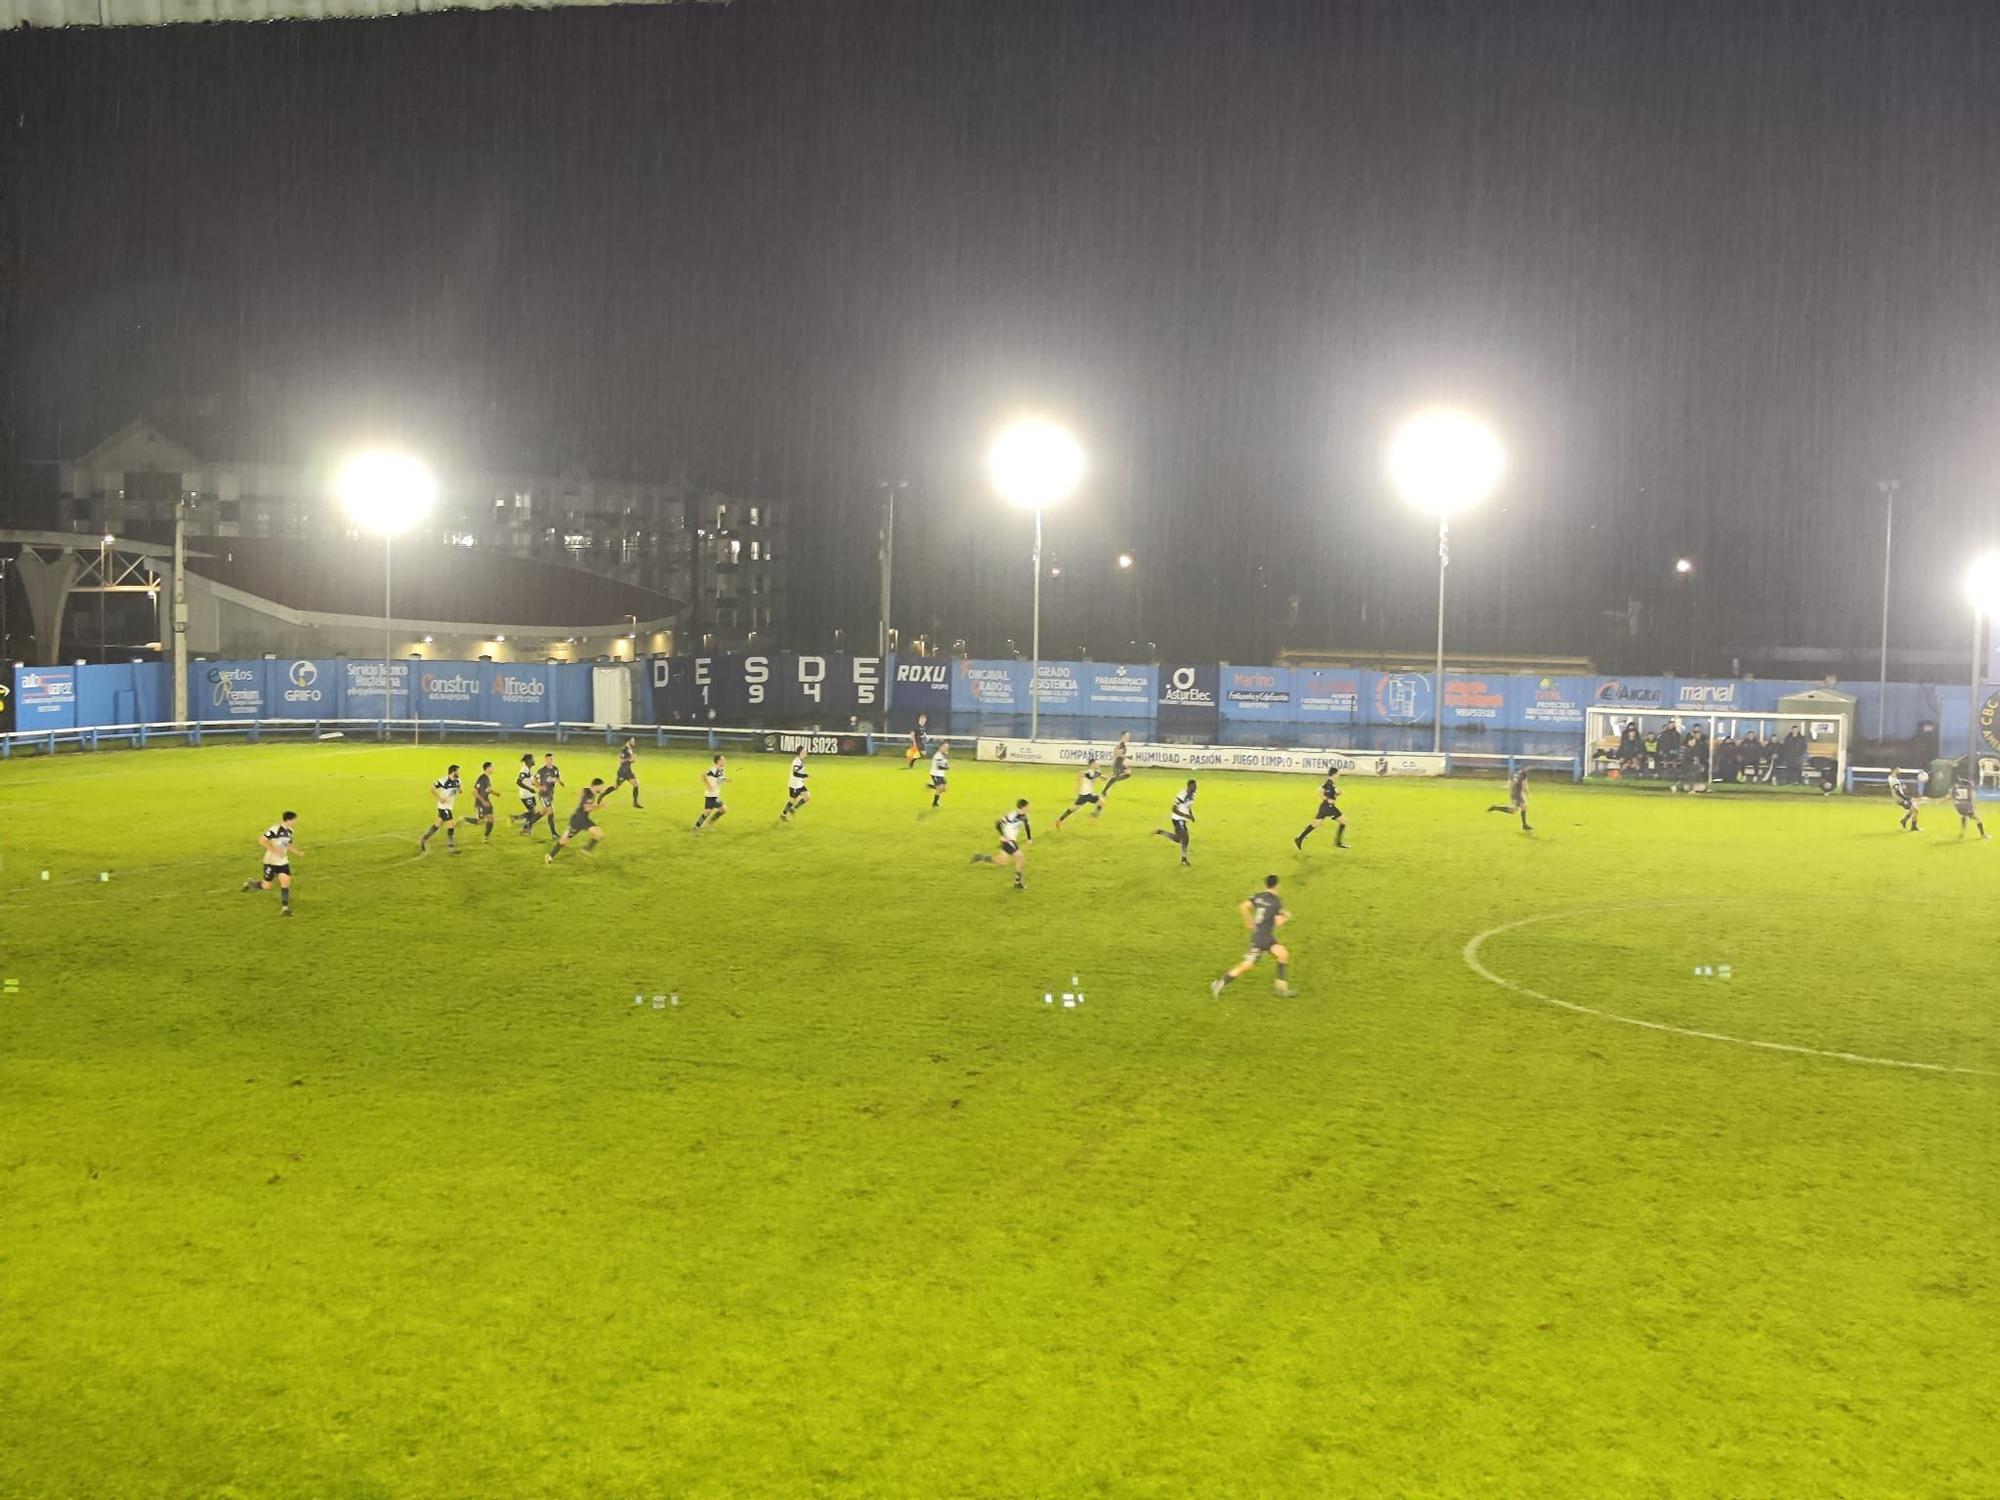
[[405, 1197]]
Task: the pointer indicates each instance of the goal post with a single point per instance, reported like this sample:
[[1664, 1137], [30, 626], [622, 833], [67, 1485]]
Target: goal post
[[1691, 751]]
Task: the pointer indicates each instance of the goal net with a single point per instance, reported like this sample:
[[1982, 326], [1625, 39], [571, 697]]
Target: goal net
[[1694, 750]]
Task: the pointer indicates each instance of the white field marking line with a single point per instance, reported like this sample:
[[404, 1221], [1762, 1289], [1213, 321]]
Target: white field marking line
[[1470, 953]]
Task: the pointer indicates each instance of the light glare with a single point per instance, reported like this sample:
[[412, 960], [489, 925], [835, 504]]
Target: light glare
[[1982, 584], [386, 492], [1035, 463], [1445, 461]]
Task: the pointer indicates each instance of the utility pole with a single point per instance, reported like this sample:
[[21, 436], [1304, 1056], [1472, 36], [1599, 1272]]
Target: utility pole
[[180, 611], [886, 555], [1888, 487]]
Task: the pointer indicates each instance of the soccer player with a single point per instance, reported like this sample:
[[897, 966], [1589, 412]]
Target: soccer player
[[1905, 793], [278, 852], [1118, 772], [482, 796], [1966, 805], [1329, 807], [1015, 836], [547, 778], [940, 771], [796, 795], [1517, 798], [918, 741], [1183, 817], [1263, 913], [1086, 793], [712, 807], [445, 789], [524, 787], [626, 772], [581, 821]]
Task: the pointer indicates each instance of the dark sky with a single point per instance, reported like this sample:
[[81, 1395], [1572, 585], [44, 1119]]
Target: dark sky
[[1713, 269]]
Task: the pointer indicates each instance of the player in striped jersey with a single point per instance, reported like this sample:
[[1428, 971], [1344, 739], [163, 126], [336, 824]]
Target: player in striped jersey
[[1517, 798], [547, 778], [581, 821], [940, 772], [278, 852], [796, 795], [1329, 807], [1118, 772], [1966, 804], [1015, 836], [1183, 820], [712, 806], [482, 796], [1903, 787], [1086, 793], [524, 788], [628, 754], [445, 789]]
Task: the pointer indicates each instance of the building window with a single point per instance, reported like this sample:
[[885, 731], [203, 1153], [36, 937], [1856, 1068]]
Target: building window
[[753, 515], [756, 548]]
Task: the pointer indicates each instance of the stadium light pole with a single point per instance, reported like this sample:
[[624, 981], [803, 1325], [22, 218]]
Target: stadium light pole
[[1035, 463], [1444, 461], [1888, 487], [1982, 591], [387, 493]]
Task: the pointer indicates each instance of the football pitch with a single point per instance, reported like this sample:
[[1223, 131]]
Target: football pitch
[[406, 1196]]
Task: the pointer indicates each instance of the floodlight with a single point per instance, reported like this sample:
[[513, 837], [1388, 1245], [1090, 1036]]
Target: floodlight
[[1124, 559], [385, 492], [1445, 461], [1035, 463], [1684, 565], [1982, 584]]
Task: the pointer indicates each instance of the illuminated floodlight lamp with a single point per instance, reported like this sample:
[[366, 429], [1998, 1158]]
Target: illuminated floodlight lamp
[[1444, 461], [1035, 463], [386, 492]]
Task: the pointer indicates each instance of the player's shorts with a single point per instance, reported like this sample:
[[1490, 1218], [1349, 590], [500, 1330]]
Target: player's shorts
[[1088, 799], [711, 804], [580, 821], [548, 798], [1259, 946], [481, 808], [626, 773], [796, 792], [272, 872], [1180, 828], [444, 815], [1327, 810], [937, 783], [1009, 847]]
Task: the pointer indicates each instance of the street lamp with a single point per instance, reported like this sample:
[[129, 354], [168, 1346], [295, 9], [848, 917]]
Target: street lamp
[[386, 493], [1035, 463], [1443, 461], [1982, 591]]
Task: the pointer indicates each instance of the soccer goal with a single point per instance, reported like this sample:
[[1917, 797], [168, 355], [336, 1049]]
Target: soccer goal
[[1691, 751]]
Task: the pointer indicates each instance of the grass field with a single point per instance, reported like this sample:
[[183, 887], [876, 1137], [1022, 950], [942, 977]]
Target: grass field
[[404, 1197]]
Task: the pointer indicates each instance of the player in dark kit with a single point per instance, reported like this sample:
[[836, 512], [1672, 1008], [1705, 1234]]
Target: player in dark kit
[[1517, 798], [1015, 836], [278, 852], [547, 778], [1086, 794], [581, 821], [627, 752], [445, 789], [919, 741], [1904, 790], [796, 794], [1329, 807], [1183, 818], [1263, 913], [524, 787], [1966, 804], [712, 806], [482, 796], [1118, 772]]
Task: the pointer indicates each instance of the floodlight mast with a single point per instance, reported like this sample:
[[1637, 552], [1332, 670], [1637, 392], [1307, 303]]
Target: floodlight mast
[[1982, 591], [387, 492], [1035, 463], [1443, 461]]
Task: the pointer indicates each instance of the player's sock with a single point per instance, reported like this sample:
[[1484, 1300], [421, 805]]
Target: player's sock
[[934, 799], [1499, 807], [1524, 822], [1020, 884], [1340, 835], [982, 859], [1226, 981], [555, 848], [699, 821], [1304, 834], [1283, 970], [285, 897]]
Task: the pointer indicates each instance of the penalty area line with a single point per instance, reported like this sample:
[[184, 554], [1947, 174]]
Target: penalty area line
[[1470, 953]]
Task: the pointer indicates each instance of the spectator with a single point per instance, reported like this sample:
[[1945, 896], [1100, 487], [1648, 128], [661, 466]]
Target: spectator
[[1667, 748], [1750, 750], [1631, 746], [1728, 760], [1792, 756]]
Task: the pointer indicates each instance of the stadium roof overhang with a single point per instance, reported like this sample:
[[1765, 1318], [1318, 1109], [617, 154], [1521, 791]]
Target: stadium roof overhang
[[56, 13]]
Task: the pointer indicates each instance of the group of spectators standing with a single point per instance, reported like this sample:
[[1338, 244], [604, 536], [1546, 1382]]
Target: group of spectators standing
[[1685, 757]]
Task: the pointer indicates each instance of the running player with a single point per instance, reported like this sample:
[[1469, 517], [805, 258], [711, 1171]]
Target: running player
[[1015, 836], [482, 796], [1329, 807], [445, 789], [1183, 817], [278, 852], [547, 779], [524, 787], [796, 795], [581, 821], [1086, 793], [1966, 804], [626, 771], [1904, 790], [1118, 772], [712, 807], [919, 741], [940, 771], [1263, 913], [1517, 798]]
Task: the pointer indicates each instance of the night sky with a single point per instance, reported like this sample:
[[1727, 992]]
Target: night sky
[[1713, 270]]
